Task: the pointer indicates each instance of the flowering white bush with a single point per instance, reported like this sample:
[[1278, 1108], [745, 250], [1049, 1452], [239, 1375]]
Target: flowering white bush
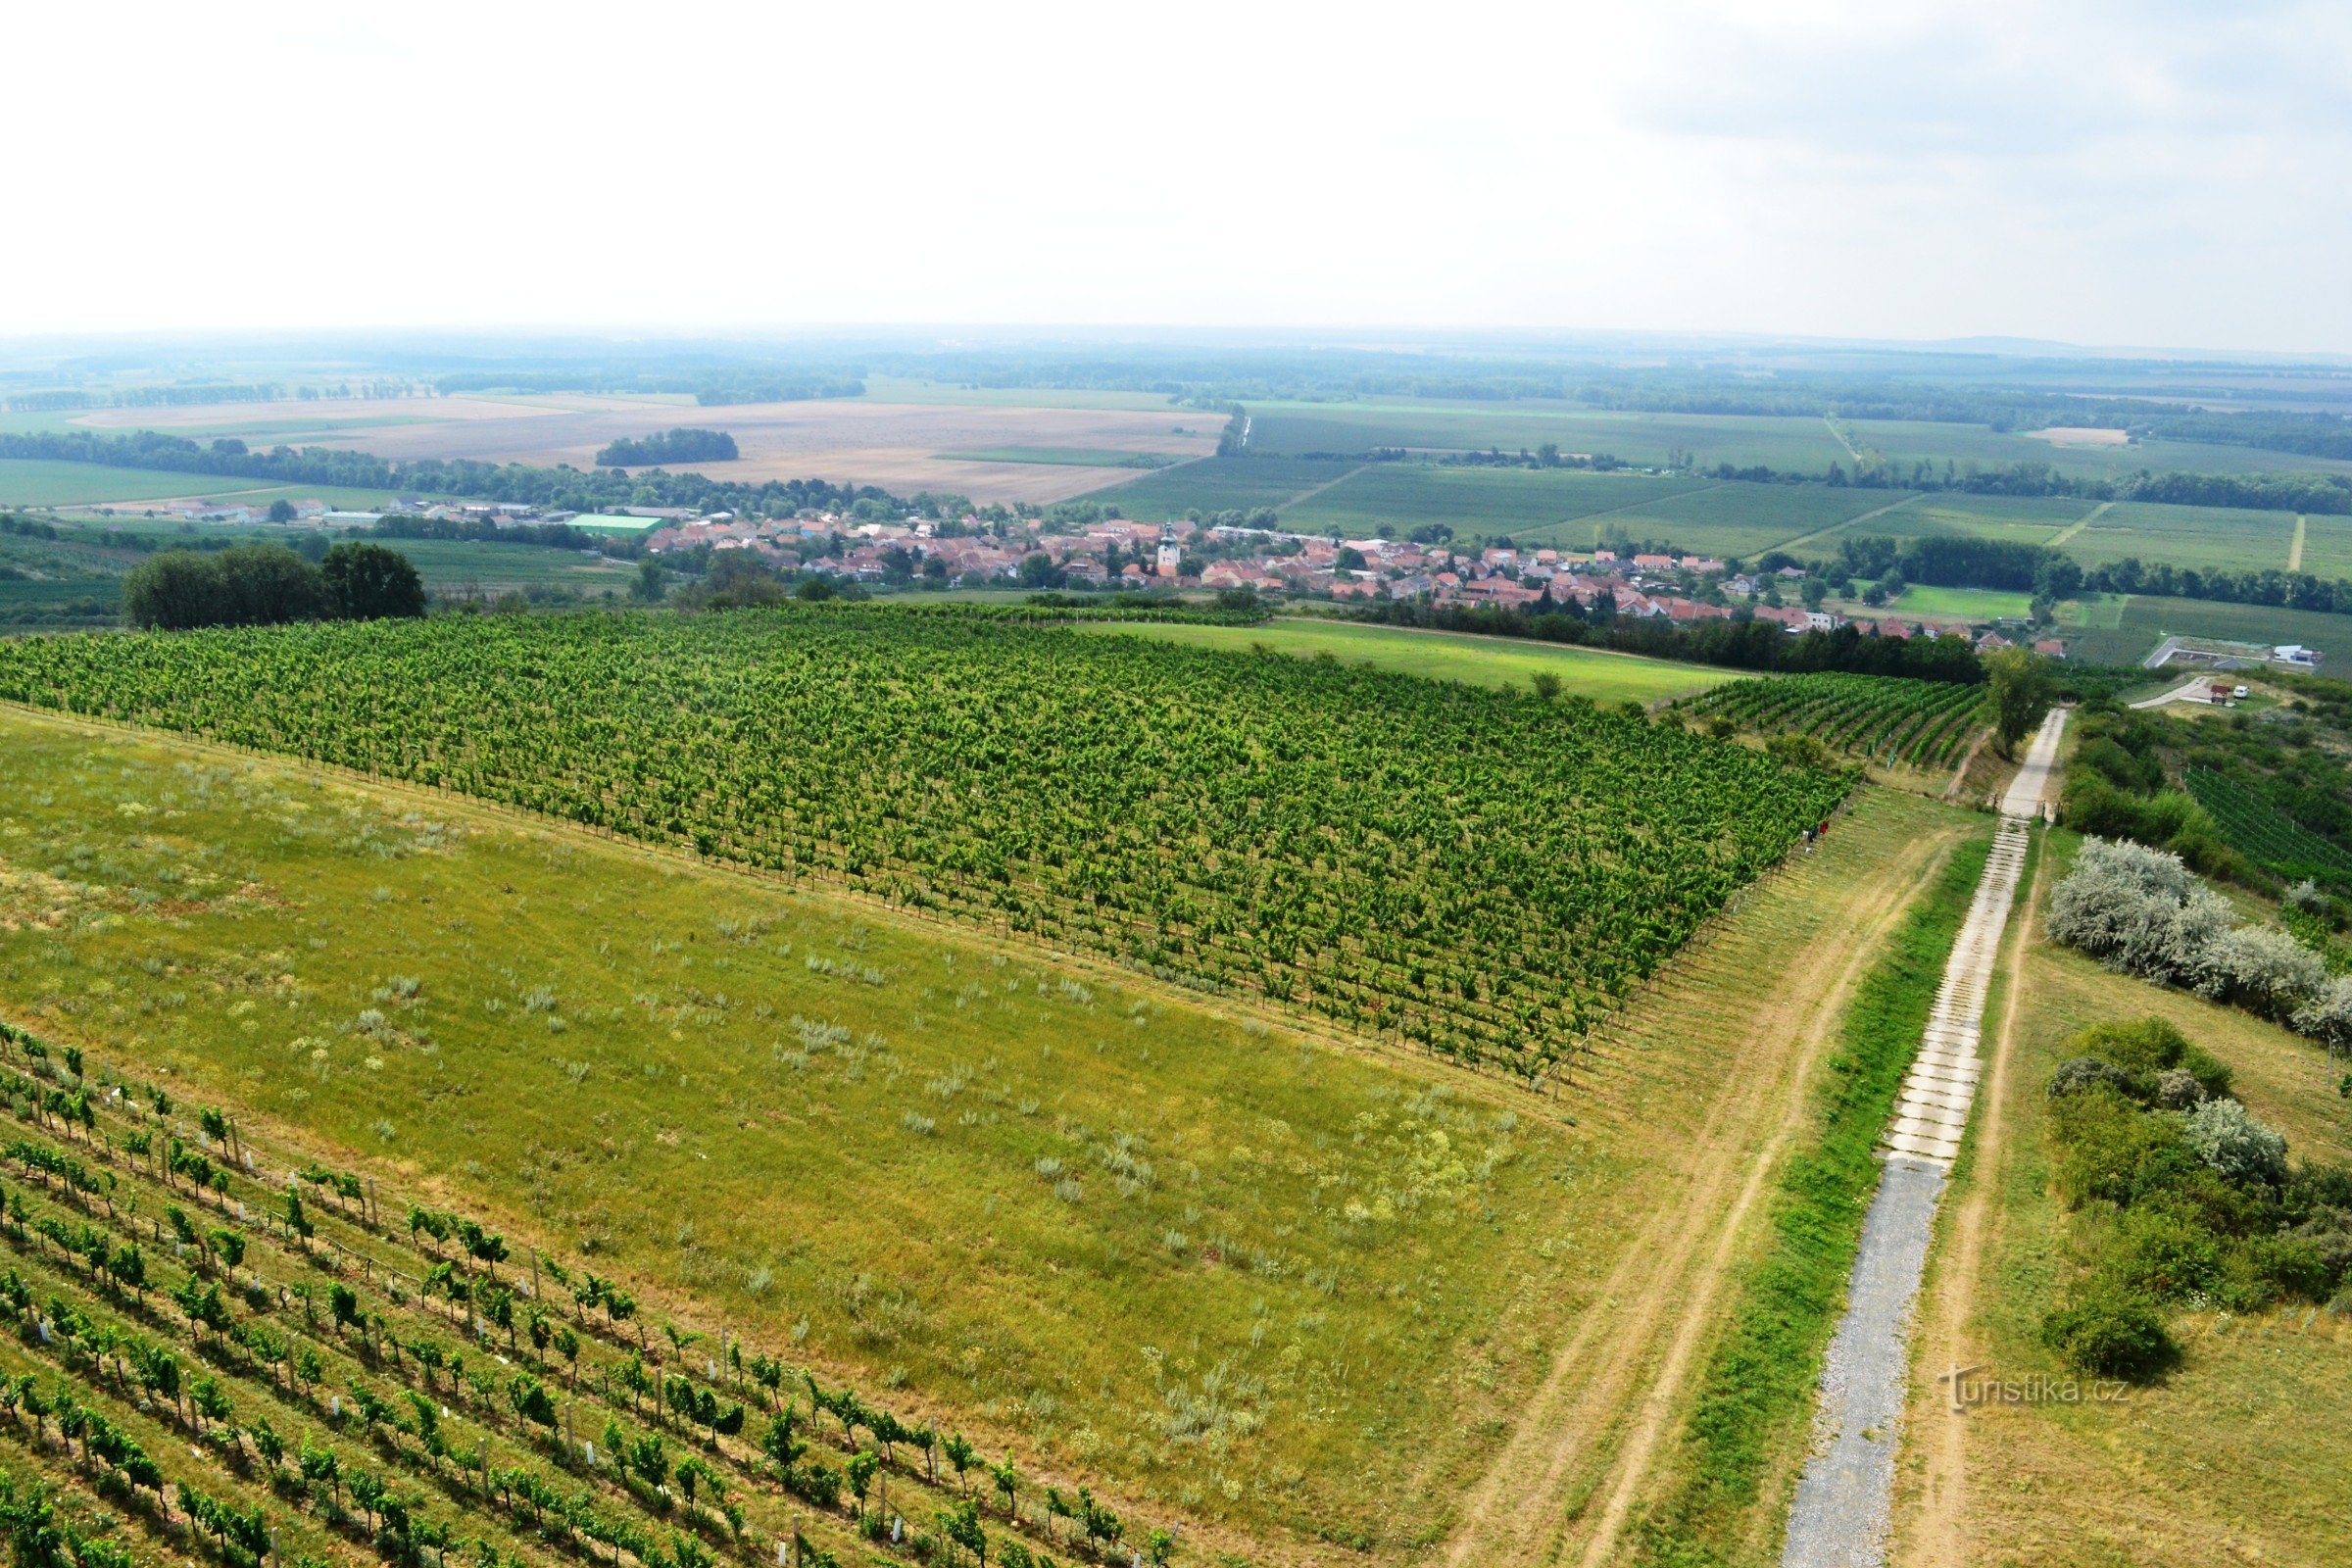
[[2142, 912], [2234, 1144]]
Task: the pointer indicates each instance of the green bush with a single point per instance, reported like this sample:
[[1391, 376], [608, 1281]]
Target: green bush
[[2112, 1334], [2162, 1255]]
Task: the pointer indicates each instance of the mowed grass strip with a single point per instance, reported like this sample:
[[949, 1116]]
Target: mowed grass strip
[[1726, 1500], [1604, 677], [940, 1167], [2238, 1455]]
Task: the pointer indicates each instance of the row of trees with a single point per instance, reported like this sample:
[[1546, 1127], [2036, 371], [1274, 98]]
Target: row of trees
[[669, 445], [267, 585], [568, 488], [1734, 644]]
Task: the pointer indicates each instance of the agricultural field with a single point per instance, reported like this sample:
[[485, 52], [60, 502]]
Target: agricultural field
[[848, 440], [2204, 537], [1589, 672], [2259, 830], [37, 482], [1066, 457], [1972, 605], [1138, 825], [1906, 441], [1647, 439], [464, 567], [2146, 619], [1744, 521], [1521, 503], [2326, 547], [1912, 724], [1221, 484], [2016, 519], [77, 580], [1353, 1262], [2232, 1456]]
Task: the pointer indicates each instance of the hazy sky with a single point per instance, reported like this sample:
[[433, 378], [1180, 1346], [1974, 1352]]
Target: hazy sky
[[2106, 173]]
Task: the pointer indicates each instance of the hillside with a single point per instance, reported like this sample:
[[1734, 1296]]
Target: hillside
[[1482, 875]]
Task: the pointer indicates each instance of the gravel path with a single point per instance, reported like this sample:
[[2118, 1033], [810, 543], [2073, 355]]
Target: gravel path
[[1842, 1512]]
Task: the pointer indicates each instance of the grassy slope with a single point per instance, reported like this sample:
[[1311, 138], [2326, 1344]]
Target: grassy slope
[[1448, 656], [672, 1126], [1746, 1434], [2239, 1456]]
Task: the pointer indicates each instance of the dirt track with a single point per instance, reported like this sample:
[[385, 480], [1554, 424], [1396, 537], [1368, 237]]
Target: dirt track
[[1594, 1430]]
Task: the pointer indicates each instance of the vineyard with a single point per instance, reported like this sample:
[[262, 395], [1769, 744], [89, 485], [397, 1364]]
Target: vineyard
[[233, 1350], [1905, 723], [2263, 833], [1481, 874]]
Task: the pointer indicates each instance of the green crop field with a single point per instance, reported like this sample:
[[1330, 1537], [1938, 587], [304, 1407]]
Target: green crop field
[[2017, 519], [457, 565], [1801, 444], [1894, 724], [2203, 537], [1136, 830], [2327, 546], [1604, 677], [1346, 1267], [41, 482], [1219, 484], [1734, 520], [2146, 619], [1960, 603], [1476, 503]]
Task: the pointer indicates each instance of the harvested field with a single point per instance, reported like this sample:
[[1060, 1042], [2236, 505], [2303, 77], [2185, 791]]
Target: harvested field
[[896, 446]]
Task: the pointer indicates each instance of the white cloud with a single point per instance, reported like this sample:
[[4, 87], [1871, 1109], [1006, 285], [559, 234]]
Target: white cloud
[[2101, 173]]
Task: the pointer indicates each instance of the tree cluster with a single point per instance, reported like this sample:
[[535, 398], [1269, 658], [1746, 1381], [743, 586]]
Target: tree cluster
[[670, 446], [267, 585]]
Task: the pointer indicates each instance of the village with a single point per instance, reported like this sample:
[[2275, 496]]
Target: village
[[998, 550]]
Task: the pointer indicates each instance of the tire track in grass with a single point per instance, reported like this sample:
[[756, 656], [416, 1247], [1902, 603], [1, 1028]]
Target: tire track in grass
[[1628, 1356], [1934, 1533]]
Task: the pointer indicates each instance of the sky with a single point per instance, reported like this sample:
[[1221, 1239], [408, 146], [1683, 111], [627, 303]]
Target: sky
[[2150, 175]]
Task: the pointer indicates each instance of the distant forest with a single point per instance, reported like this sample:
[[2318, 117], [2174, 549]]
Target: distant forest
[[672, 446]]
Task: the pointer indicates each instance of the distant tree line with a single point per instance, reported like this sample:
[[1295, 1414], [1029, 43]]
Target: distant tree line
[[711, 385], [670, 446], [267, 585], [2329, 493], [471, 531], [1737, 644], [568, 488], [2052, 574]]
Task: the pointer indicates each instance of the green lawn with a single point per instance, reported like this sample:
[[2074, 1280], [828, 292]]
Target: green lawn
[[1602, 676], [1966, 604]]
